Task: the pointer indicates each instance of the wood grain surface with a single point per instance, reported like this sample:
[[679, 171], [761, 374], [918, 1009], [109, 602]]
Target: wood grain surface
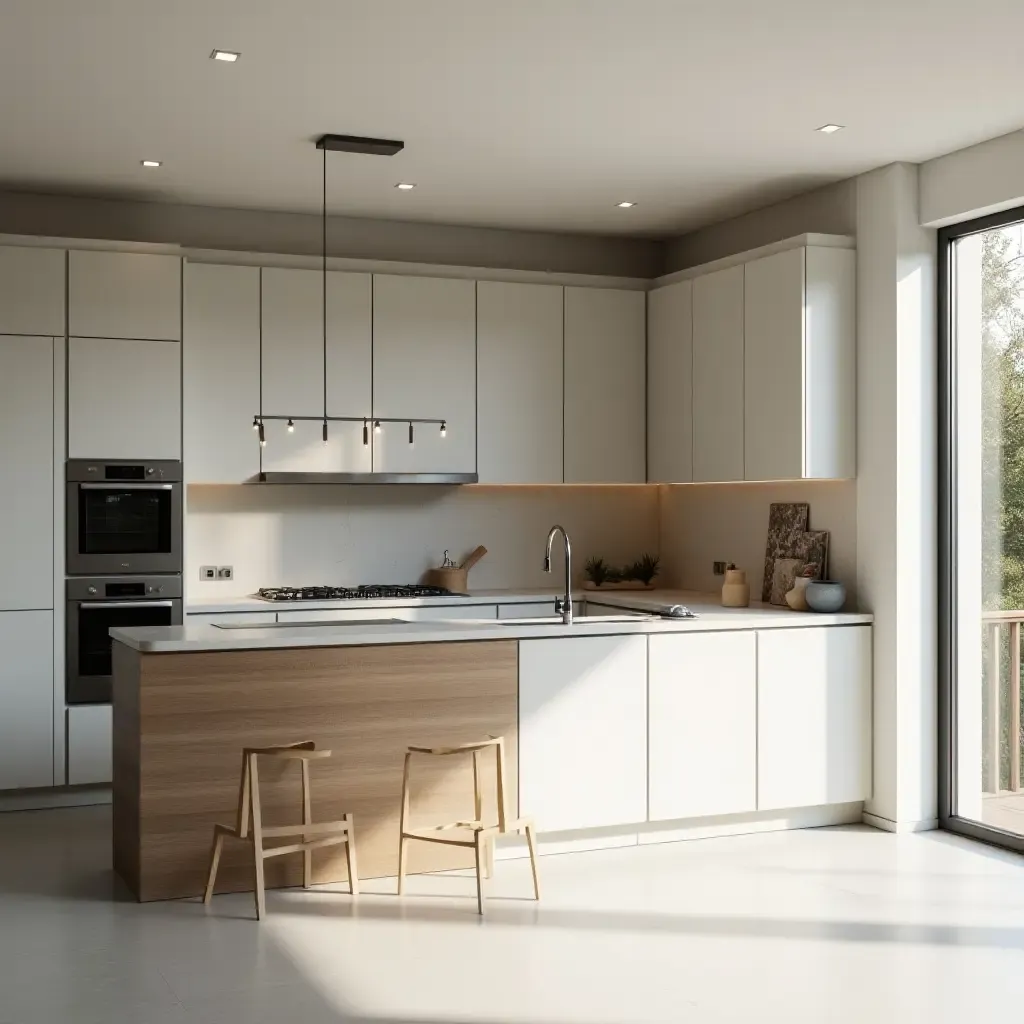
[[181, 721]]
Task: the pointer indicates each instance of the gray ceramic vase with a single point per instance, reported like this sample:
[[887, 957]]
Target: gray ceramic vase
[[825, 595]]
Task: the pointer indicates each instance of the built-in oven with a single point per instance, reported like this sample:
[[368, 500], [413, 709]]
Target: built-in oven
[[97, 604], [123, 517]]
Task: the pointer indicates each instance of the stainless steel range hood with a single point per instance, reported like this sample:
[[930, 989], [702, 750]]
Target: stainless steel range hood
[[368, 478]]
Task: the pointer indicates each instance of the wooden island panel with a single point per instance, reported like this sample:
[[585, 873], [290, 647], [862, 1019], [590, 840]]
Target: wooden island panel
[[181, 721]]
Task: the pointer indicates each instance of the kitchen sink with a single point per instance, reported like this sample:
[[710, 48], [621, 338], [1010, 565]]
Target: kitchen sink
[[556, 620]]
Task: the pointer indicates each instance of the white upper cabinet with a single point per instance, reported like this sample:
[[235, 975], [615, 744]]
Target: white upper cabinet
[[124, 399], [799, 365], [26, 474], [293, 369], [718, 376], [605, 386], [670, 384], [32, 290], [813, 716], [124, 295], [424, 365], [221, 373], [519, 375]]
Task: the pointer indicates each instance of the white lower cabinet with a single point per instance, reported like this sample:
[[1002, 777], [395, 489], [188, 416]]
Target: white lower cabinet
[[26, 699], [814, 716], [583, 731], [703, 724], [90, 744]]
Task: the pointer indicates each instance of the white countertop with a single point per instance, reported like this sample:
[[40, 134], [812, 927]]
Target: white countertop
[[711, 618]]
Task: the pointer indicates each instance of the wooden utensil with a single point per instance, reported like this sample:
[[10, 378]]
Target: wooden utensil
[[456, 578]]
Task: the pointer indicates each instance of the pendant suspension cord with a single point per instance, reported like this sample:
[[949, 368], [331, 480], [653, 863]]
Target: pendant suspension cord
[[323, 243]]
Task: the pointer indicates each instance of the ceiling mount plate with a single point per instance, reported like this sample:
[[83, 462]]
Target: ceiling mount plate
[[359, 144]]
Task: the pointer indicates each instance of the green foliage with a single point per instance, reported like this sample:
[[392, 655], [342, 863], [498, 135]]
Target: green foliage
[[644, 569], [597, 571]]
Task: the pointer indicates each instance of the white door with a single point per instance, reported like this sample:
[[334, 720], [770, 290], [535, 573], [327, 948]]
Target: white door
[[583, 731], [90, 745], [813, 716], [670, 384], [519, 375], [124, 399], [221, 373], [293, 369], [718, 376], [773, 367], [32, 290], [26, 473], [605, 383], [124, 295], [703, 724], [424, 365], [26, 699]]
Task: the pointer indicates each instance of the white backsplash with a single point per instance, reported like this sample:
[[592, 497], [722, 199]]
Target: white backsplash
[[345, 535]]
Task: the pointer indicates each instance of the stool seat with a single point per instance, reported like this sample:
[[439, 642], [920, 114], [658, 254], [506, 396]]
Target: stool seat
[[249, 825], [475, 834]]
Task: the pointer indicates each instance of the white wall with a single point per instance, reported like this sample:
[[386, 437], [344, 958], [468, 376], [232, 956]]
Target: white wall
[[326, 534], [729, 523]]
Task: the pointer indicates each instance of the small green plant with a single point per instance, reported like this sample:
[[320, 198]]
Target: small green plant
[[644, 569], [597, 571]]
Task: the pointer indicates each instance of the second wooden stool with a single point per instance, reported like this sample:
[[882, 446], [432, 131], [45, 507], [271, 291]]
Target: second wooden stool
[[473, 834], [249, 825]]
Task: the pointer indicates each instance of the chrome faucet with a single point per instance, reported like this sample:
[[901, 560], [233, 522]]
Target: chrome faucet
[[563, 605]]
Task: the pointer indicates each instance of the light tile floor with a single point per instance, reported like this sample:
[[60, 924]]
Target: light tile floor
[[829, 926]]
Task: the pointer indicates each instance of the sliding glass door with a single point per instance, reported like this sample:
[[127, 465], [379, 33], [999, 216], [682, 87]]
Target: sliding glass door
[[982, 510]]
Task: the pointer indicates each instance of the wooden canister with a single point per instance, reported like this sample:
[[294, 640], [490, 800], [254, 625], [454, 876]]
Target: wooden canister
[[735, 591]]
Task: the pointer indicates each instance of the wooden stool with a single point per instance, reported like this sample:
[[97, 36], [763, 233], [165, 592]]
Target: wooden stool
[[474, 834], [331, 832]]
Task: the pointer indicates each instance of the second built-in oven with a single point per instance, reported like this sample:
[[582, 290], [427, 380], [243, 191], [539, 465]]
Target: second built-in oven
[[123, 517]]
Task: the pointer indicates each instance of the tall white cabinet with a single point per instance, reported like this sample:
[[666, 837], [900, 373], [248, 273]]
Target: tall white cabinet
[[26, 699], [519, 383], [32, 290], [670, 383], [605, 385]]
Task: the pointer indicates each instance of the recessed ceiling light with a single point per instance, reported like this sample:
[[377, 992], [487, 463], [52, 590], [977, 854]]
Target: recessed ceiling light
[[229, 55], [828, 129], [625, 205], [405, 186], [151, 163]]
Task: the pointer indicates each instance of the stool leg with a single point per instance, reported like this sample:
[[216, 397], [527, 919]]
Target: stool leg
[[257, 840], [402, 843], [307, 818], [218, 845], [478, 849], [532, 845], [350, 856]]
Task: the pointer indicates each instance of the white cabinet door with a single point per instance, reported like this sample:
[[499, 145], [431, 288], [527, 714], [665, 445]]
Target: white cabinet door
[[670, 384], [718, 376], [26, 699], [605, 384], [773, 368], [124, 295], [293, 369], [124, 399], [814, 716], [583, 731], [221, 373], [32, 290], [26, 473], [519, 376], [90, 745], [703, 724], [424, 365]]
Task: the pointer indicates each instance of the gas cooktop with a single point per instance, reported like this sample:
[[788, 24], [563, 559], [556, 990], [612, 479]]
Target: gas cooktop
[[366, 592]]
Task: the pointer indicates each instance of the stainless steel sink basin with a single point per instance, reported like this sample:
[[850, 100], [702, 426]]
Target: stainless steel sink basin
[[556, 620]]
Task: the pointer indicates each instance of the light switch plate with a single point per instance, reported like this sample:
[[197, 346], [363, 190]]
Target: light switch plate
[[225, 572], [207, 572]]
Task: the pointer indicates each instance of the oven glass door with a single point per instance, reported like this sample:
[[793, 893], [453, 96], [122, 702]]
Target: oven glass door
[[89, 680], [119, 519]]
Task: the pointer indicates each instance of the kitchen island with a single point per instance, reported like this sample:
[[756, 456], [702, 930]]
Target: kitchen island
[[616, 722]]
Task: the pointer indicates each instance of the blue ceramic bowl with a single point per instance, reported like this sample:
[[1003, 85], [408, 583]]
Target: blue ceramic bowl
[[825, 595]]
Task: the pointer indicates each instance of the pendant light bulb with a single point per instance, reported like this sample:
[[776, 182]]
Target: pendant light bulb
[[291, 426], [410, 433], [366, 433], [262, 433], [376, 426], [255, 423], [324, 432], [444, 428]]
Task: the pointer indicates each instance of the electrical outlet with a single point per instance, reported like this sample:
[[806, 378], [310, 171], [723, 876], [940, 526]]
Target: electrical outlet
[[225, 572], [720, 568], [207, 572]]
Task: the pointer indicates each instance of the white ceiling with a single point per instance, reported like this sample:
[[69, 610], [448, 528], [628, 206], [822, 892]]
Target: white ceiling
[[515, 113]]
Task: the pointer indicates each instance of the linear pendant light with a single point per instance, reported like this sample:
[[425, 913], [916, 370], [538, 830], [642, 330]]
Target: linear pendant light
[[375, 147]]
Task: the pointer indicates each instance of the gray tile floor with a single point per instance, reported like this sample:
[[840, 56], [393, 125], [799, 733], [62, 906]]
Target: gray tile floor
[[830, 925]]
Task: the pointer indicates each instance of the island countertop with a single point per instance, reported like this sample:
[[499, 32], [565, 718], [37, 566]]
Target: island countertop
[[711, 617]]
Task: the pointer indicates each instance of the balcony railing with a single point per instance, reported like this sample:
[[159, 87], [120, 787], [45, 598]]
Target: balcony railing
[[1001, 706]]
